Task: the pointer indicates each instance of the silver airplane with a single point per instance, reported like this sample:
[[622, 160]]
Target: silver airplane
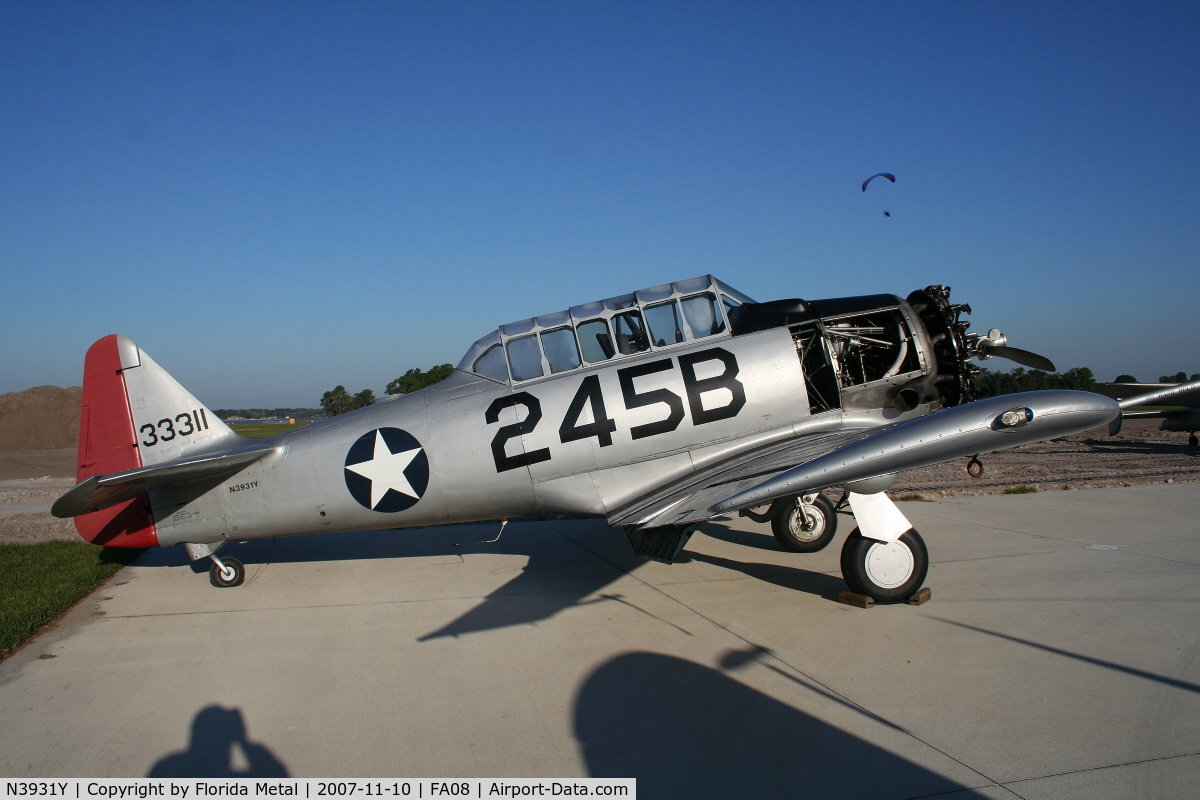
[[657, 410], [1184, 420]]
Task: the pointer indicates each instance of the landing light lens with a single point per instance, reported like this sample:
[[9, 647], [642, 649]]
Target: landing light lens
[[1016, 416]]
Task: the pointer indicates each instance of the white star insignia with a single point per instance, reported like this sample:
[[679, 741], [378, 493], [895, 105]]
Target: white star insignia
[[385, 470]]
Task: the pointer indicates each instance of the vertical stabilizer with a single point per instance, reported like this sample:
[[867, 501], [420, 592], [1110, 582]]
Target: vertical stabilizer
[[168, 421], [134, 415]]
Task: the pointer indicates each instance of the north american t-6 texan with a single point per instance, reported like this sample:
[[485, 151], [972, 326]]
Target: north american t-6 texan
[[657, 410]]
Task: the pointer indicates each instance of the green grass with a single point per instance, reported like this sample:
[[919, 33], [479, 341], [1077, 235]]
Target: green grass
[[40, 581], [265, 429], [1020, 490], [912, 496]]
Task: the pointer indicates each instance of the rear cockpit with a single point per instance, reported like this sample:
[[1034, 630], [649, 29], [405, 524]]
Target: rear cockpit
[[648, 320]]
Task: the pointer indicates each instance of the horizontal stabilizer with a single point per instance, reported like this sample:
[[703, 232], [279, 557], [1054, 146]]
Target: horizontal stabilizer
[[102, 491]]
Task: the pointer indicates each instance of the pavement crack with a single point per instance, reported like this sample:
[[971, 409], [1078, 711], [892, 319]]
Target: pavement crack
[[1097, 769]]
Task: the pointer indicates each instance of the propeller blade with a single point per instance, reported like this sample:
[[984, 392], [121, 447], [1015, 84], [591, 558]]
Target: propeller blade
[[1023, 357]]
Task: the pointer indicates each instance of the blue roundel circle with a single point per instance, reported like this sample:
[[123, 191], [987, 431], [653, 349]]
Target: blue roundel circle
[[387, 470]]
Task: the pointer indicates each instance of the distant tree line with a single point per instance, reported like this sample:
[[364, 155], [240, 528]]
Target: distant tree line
[[992, 384], [266, 413], [339, 401], [1178, 377]]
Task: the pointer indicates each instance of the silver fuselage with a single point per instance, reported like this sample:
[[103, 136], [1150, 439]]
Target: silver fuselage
[[670, 412]]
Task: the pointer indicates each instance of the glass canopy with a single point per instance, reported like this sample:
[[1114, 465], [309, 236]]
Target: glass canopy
[[651, 319]]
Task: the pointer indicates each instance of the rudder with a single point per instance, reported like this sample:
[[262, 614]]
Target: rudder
[[107, 444]]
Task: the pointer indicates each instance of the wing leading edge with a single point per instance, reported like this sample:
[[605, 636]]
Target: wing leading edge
[[823, 460]]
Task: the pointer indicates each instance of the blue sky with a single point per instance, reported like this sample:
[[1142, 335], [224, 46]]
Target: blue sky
[[275, 198]]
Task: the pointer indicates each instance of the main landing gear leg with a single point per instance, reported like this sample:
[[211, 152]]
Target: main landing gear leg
[[884, 558]]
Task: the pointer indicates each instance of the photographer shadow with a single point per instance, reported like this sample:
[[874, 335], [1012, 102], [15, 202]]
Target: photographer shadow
[[219, 749]]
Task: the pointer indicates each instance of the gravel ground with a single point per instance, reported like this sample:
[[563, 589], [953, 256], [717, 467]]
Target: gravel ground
[[30, 481], [1139, 454]]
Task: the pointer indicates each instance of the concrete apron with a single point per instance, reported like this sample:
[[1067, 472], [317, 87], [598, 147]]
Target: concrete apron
[[1060, 657]]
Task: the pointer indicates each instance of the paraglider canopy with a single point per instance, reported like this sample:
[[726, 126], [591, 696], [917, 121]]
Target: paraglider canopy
[[887, 175]]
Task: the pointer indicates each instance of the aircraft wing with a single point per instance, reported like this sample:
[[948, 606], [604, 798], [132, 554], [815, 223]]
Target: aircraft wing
[[1132, 395], [822, 460], [1176, 394], [1163, 414], [102, 491], [691, 497]]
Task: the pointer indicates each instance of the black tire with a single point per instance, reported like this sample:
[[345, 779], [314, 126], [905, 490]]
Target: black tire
[[217, 579], [1193, 441], [886, 573], [807, 529]]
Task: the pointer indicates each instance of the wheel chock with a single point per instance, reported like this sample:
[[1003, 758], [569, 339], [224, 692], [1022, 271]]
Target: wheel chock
[[922, 596], [856, 600]]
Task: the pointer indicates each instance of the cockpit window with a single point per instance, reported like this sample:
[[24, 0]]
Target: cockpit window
[[561, 351], [595, 340], [525, 358], [593, 333], [665, 326], [631, 333], [491, 364], [702, 314]]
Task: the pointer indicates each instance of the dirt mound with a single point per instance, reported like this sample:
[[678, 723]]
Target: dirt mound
[[41, 418]]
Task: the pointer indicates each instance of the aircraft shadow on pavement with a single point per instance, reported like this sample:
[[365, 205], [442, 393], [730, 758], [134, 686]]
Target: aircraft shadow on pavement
[[560, 571], [800, 580], [686, 730], [752, 539], [532, 595], [558, 574], [219, 749], [788, 577], [447, 540]]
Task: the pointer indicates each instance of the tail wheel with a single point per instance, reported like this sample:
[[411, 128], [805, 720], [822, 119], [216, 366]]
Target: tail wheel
[[232, 575], [887, 573], [805, 527]]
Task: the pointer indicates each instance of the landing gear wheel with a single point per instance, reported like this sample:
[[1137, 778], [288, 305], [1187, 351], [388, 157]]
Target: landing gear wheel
[[887, 573], [233, 574], [805, 528]]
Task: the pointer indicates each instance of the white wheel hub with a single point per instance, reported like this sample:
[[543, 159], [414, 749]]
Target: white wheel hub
[[889, 565]]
